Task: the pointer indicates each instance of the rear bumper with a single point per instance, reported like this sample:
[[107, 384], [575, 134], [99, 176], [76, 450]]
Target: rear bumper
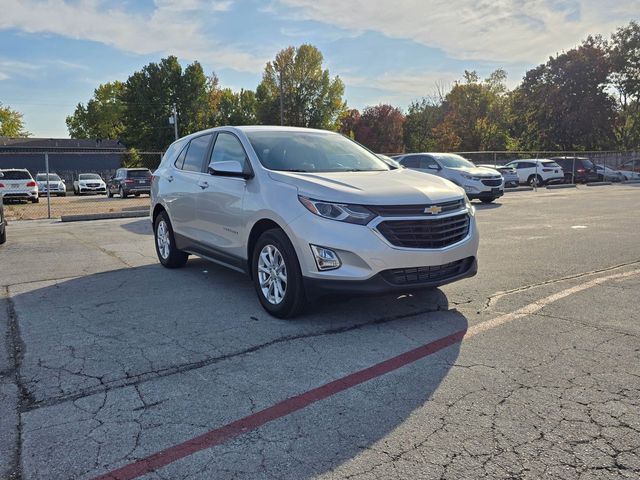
[[383, 282], [20, 195]]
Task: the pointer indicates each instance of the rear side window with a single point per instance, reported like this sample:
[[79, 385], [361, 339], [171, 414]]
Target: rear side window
[[17, 175], [550, 165], [526, 165], [194, 157], [172, 151], [228, 148]]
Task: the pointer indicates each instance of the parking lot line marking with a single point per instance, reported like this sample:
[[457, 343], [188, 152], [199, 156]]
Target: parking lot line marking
[[293, 404], [286, 407]]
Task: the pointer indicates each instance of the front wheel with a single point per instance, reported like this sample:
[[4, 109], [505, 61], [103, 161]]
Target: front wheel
[[487, 200], [35, 200], [165, 241], [277, 276]]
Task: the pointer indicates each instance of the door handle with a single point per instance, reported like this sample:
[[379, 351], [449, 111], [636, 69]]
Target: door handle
[[202, 184], [170, 178]]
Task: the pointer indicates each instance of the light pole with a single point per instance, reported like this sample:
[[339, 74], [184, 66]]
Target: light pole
[[173, 120]]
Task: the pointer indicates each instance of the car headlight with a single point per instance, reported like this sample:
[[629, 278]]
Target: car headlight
[[338, 211], [470, 208], [470, 177]]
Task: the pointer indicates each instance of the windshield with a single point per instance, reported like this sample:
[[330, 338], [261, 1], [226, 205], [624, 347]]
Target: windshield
[[139, 174], [452, 160], [312, 152], [42, 177], [16, 175], [89, 176]]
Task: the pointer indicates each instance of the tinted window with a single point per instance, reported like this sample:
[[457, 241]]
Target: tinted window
[[550, 165], [526, 165], [42, 177], [89, 176], [196, 151], [411, 162], [139, 174], [426, 162], [172, 151], [228, 148], [16, 175], [451, 160]]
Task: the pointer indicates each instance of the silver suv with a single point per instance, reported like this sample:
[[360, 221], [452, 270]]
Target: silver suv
[[484, 184], [307, 213]]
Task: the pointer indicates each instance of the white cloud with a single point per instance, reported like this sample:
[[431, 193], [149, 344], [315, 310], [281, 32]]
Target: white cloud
[[508, 31], [174, 27], [3, 76]]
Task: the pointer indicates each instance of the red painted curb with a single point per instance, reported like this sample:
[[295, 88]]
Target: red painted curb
[[279, 410]]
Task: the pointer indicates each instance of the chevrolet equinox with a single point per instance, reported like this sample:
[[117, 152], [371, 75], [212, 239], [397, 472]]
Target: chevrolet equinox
[[308, 213]]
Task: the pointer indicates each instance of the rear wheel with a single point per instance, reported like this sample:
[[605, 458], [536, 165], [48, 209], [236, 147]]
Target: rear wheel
[[277, 276], [35, 200], [121, 192], [166, 249], [3, 236], [535, 181], [109, 194]]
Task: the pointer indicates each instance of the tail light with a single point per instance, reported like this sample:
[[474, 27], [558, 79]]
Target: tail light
[[581, 170], [2, 185], [32, 184], [128, 180]]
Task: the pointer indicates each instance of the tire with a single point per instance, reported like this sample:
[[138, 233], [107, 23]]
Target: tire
[[121, 192], [274, 244], [535, 181], [35, 200], [3, 236], [136, 195], [62, 194], [487, 200], [165, 243], [568, 178], [109, 194]]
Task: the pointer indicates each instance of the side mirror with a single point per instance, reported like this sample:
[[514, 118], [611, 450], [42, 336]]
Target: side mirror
[[229, 168]]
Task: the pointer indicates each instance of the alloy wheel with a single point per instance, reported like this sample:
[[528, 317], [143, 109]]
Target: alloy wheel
[[272, 274], [162, 239]]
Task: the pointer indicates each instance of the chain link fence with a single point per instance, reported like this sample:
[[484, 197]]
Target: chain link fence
[[68, 165], [56, 177]]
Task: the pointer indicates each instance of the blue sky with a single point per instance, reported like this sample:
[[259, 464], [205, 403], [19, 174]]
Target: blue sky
[[54, 53]]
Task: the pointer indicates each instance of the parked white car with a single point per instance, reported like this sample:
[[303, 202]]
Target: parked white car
[[18, 184], [629, 175], [609, 174], [509, 174], [537, 172], [57, 186], [89, 183], [308, 213], [485, 184]]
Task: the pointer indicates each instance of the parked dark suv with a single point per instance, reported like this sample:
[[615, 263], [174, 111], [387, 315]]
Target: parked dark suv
[[130, 181], [577, 169]]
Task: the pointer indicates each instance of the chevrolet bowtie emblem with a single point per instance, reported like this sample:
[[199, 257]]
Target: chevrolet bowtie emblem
[[433, 209]]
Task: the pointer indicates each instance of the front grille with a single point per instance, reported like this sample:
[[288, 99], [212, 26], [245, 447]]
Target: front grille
[[93, 185], [492, 182], [418, 275], [411, 210], [428, 233]]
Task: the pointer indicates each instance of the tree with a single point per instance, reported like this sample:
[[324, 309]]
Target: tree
[[380, 129], [102, 116], [475, 114], [422, 118], [625, 79], [236, 108], [563, 104], [310, 98], [149, 96], [347, 122], [11, 123]]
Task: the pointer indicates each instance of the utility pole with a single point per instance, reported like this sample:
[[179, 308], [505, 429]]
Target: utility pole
[[173, 119], [281, 100]]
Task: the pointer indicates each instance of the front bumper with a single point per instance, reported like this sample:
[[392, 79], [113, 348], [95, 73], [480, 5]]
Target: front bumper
[[382, 282], [83, 189], [365, 253]]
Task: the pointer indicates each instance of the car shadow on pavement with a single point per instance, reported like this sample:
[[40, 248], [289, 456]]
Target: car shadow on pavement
[[141, 227], [121, 364], [486, 206]]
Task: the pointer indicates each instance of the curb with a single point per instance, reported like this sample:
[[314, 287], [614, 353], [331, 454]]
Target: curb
[[561, 185], [518, 189], [103, 216], [596, 184], [630, 181]]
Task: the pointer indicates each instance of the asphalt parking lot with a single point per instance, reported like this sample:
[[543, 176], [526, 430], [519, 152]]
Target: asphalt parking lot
[[115, 367]]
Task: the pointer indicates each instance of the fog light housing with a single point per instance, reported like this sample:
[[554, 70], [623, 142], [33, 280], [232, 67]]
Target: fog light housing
[[470, 189], [326, 259]]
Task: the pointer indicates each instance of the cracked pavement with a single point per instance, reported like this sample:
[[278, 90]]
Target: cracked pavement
[[108, 358]]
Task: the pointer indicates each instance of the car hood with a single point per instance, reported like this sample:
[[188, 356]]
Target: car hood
[[389, 187], [477, 171]]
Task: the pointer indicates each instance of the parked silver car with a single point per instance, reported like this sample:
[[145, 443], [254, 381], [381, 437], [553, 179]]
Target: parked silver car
[[55, 185], [308, 213], [485, 184], [509, 174]]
